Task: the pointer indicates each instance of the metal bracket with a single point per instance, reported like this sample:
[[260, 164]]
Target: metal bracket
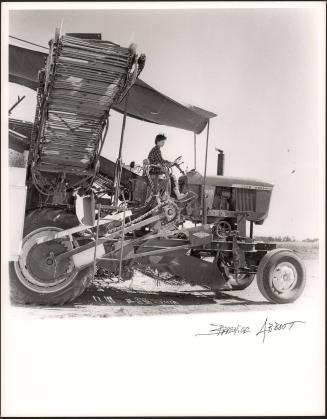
[[238, 255]]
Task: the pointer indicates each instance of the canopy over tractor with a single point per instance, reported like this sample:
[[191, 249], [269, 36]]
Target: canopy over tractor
[[144, 102], [83, 211]]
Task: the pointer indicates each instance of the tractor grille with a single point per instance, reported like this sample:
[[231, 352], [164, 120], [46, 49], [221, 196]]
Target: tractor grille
[[244, 199]]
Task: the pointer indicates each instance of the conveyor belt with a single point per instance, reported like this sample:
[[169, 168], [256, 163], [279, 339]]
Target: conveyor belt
[[81, 81]]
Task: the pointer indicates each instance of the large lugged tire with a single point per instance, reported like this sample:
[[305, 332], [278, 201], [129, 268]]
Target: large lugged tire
[[37, 278], [281, 276]]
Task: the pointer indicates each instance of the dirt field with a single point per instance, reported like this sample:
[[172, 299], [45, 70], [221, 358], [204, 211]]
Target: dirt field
[[145, 296]]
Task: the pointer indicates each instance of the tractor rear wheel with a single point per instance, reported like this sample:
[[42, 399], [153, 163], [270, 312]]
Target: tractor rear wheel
[[37, 277], [281, 276]]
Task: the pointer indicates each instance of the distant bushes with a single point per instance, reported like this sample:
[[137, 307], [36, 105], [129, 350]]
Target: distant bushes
[[283, 239], [304, 249], [307, 249]]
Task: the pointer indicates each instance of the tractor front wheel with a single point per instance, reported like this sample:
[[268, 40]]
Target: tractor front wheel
[[38, 277], [281, 276]]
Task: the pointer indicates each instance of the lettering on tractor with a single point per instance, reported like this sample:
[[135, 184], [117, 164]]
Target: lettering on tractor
[[76, 211]]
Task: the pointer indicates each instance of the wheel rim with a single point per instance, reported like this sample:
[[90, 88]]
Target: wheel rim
[[284, 277], [37, 268]]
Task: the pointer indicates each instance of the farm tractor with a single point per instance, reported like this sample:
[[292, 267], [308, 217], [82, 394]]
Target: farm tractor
[[76, 211]]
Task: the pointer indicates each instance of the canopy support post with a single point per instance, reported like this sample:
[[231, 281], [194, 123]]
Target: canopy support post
[[118, 168], [194, 151], [204, 201]]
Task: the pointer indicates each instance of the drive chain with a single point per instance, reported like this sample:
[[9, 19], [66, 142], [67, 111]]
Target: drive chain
[[142, 217]]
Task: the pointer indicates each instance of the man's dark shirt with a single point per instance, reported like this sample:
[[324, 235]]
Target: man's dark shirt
[[155, 157]]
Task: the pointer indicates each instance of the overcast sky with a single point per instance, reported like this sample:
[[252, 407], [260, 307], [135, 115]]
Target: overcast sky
[[257, 69]]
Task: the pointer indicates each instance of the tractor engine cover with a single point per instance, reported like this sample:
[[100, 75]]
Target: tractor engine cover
[[227, 197]]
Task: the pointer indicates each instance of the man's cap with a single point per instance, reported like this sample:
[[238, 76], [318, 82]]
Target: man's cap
[[161, 137]]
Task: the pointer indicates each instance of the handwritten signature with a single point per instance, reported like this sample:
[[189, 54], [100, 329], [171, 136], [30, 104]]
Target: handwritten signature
[[266, 328]]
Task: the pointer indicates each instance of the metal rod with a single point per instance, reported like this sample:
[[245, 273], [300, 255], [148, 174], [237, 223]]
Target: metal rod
[[151, 252], [96, 166], [104, 136], [118, 167], [251, 229], [122, 245], [117, 180], [109, 237], [123, 127], [27, 42], [194, 151], [96, 239], [204, 209], [15, 104]]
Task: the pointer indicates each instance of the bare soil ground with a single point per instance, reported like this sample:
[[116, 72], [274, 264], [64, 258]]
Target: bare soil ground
[[143, 295]]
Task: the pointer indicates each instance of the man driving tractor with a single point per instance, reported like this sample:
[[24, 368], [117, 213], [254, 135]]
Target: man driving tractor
[[155, 159]]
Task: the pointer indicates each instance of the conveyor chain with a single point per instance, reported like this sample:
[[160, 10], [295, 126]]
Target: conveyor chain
[[81, 81]]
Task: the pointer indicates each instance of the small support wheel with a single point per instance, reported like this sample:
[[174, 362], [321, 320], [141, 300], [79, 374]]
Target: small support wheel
[[281, 276], [241, 281], [235, 281]]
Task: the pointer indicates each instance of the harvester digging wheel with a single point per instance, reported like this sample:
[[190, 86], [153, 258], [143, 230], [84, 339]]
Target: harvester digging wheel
[[37, 278], [241, 281], [222, 229], [237, 281], [281, 276]]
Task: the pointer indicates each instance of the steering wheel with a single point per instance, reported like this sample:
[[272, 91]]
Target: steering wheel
[[177, 162]]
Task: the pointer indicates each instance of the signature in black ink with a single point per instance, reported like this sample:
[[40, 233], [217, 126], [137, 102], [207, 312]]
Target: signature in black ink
[[269, 327], [266, 328], [220, 330]]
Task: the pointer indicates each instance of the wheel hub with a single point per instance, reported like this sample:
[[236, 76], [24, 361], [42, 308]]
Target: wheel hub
[[50, 261], [170, 211], [284, 276], [41, 262], [37, 267]]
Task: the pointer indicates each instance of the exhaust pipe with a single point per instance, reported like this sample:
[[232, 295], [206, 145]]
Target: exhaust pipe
[[220, 162]]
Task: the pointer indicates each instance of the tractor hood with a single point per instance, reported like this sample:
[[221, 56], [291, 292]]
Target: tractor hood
[[195, 178]]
